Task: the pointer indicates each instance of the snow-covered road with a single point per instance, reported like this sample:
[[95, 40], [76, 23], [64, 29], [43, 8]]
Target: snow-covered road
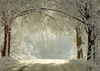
[[43, 61], [47, 65], [10, 64]]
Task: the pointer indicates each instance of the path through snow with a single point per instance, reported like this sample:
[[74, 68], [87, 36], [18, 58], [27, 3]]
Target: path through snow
[[8, 63], [47, 65]]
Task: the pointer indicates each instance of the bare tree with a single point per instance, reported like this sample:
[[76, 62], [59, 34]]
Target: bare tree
[[79, 42], [86, 12], [11, 9]]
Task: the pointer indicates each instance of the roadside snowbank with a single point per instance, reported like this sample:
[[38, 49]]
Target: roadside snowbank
[[7, 63]]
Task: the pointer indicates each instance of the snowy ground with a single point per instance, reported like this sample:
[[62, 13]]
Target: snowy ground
[[7, 63], [43, 61], [10, 64], [42, 64], [57, 65]]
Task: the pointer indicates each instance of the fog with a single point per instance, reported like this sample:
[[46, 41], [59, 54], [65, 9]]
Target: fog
[[47, 45]]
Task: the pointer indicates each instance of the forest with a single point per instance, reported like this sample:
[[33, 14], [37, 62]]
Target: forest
[[49, 35]]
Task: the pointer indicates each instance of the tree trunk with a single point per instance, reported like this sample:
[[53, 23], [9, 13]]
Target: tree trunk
[[7, 36], [79, 42], [91, 45]]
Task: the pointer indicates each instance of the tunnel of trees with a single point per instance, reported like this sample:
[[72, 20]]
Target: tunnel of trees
[[61, 16]]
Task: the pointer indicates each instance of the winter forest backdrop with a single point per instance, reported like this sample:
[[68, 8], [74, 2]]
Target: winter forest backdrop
[[50, 29]]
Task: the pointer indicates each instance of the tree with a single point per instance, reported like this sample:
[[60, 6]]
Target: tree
[[89, 18], [11, 9], [16, 38], [79, 42], [86, 12]]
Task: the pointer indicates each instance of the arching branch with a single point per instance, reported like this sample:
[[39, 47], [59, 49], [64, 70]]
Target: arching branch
[[24, 13]]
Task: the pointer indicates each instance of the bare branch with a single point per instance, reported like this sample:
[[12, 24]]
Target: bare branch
[[53, 19], [24, 13], [63, 13], [81, 13]]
